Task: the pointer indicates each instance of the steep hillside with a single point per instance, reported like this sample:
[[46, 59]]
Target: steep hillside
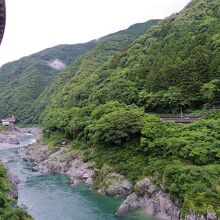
[[22, 81], [175, 64], [103, 109], [83, 69]]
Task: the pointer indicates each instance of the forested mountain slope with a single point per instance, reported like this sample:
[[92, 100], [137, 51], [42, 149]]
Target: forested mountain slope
[[83, 68], [103, 109], [22, 81], [174, 64]]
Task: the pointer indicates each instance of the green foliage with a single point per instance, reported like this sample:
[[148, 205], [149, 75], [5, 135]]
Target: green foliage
[[3, 187], [213, 115], [117, 127], [186, 159], [70, 123], [109, 125], [122, 160], [198, 142], [83, 83], [171, 100], [196, 187], [8, 212], [211, 92], [22, 81], [159, 68], [174, 65], [13, 213], [3, 128]]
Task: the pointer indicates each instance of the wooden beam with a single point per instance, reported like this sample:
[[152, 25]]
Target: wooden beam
[[2, 19]]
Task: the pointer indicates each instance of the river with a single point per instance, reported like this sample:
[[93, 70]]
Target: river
[[50, 197]]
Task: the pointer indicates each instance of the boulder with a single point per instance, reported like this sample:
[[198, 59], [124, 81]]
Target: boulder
[[156, 203], [211, 216], [113, 184], [145, 187], [35, 153], [13, 186], [89, 181], [116, 184], [14, 141], [80, 172], [132, 202]]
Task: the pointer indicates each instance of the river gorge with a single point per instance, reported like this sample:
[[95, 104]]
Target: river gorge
[[50, 196]]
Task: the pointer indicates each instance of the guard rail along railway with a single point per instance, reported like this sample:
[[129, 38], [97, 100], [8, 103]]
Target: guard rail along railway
[[2, 19], [187, 118]]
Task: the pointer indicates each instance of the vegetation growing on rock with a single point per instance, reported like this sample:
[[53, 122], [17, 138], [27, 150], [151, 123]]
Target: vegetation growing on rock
[[7, 210]]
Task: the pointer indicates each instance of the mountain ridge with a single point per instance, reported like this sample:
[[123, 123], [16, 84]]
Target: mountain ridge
[[22, 81], [89, 62]]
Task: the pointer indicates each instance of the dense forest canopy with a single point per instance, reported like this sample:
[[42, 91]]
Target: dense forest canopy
[[174, 64], [22, 81], [83, 69]]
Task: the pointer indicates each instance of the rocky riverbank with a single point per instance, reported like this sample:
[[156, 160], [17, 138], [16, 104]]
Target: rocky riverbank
[[10, 137], [12, 182], [13, 186], [14, 136], [156, 202], [64, 160], [36, 131]]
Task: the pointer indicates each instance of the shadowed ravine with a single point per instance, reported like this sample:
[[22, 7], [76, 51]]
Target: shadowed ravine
[[50, 197]]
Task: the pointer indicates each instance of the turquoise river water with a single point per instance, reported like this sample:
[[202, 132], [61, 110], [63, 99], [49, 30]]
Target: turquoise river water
[[50, 197]]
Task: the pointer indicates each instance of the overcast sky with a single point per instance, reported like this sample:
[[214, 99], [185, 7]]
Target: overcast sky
[[33, 25]]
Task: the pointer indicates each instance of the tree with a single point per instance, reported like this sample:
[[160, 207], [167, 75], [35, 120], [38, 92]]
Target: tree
[[117, 127], [211, 92]]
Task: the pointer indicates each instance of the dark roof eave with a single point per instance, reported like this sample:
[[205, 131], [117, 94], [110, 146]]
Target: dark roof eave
[[2, 19]]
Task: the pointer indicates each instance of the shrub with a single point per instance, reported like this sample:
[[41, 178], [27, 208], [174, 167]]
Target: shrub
[[117, 127]]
